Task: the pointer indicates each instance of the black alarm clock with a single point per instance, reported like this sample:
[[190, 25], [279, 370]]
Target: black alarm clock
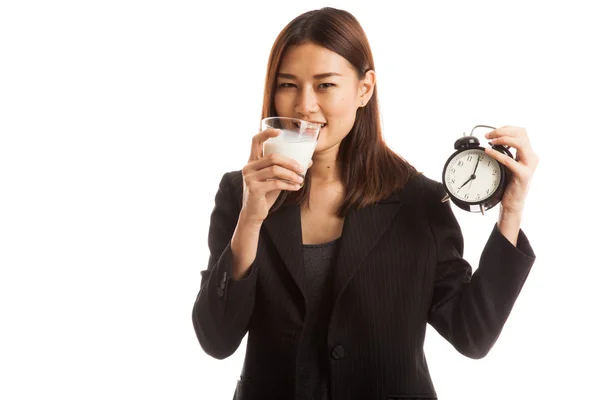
[[473, 180]]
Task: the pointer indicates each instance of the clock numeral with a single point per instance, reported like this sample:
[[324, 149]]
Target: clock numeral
[[469, 158], [477, 197], [480, 158], [487, 191], [460, 163], [495, 183], [453, 170], [453, 181], [489, 162], [494, 172], [466, 196]]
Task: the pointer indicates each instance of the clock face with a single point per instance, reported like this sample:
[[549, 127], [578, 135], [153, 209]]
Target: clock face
[[472, 176]]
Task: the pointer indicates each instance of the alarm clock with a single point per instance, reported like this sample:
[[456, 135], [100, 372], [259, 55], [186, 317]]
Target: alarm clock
[[473, 180]]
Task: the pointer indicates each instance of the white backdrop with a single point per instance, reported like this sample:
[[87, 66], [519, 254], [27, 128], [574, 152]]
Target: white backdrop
[[118, 119]]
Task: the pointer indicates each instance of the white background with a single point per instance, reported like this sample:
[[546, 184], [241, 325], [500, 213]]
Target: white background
[[118, 119]]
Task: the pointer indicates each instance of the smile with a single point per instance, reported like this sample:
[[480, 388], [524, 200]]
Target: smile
[[323, 124]]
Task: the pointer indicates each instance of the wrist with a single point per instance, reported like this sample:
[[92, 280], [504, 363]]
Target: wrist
[[510, 213], [509, 224], [248, 221]]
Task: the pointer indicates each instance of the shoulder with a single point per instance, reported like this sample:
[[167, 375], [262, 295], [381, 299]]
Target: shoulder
[[231, 182], [234, 179], [420, 190], [426, 196]]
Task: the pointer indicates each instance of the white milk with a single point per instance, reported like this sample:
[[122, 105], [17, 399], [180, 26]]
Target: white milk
[[290, 144]]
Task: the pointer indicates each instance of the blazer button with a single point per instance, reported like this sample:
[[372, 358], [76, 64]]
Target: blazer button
[[338, 352]]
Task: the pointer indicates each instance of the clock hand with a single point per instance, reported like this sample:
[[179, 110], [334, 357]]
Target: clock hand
[[469, 180], [476, 165], [472, 177]]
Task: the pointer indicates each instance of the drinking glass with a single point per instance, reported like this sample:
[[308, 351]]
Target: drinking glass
[[297, 140]]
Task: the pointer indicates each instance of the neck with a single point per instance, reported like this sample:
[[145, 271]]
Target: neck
[[325, 169]]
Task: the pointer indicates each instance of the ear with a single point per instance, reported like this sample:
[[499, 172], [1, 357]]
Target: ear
[[366, 86]]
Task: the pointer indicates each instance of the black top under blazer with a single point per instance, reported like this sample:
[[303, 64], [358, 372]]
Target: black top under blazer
[[399, 267]]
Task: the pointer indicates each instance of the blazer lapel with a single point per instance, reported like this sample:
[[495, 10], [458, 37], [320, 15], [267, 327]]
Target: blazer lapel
[[362, 230], [284, 228]]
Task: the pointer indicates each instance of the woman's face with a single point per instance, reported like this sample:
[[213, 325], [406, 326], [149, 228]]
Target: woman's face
[[317, 84]]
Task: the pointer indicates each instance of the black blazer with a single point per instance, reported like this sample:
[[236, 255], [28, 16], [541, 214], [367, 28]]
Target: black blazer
[[399, 267]]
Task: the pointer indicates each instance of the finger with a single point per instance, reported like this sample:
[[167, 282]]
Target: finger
[[277, 159], [516, 142], [272, 184], [278, 184], [506, 130], [256, 152], [277, 172], [510, 163], [310, 164], [521, 144]]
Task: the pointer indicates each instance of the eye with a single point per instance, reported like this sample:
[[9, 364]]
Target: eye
[[326, 85], [286, 85]]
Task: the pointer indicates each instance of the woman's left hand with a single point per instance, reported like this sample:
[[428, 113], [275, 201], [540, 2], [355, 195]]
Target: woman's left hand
[[522, 167]]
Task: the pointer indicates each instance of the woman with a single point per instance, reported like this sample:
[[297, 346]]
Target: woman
[[335, 280]]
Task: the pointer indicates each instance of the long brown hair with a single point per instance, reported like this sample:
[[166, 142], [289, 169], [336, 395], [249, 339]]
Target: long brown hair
[[371, 171]]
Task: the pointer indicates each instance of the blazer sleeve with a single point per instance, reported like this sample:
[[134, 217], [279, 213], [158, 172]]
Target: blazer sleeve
[[470, 309], [223, 307]]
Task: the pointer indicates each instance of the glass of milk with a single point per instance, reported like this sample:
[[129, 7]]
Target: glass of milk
[[297, 140]]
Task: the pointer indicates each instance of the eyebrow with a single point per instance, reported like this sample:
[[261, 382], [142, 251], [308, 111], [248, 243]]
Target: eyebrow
[[318, 76]]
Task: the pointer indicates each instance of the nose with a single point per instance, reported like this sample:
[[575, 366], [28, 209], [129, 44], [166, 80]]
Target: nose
[[306, 102]]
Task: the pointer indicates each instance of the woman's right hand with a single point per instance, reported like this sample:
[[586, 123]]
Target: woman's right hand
[[263, 179]]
